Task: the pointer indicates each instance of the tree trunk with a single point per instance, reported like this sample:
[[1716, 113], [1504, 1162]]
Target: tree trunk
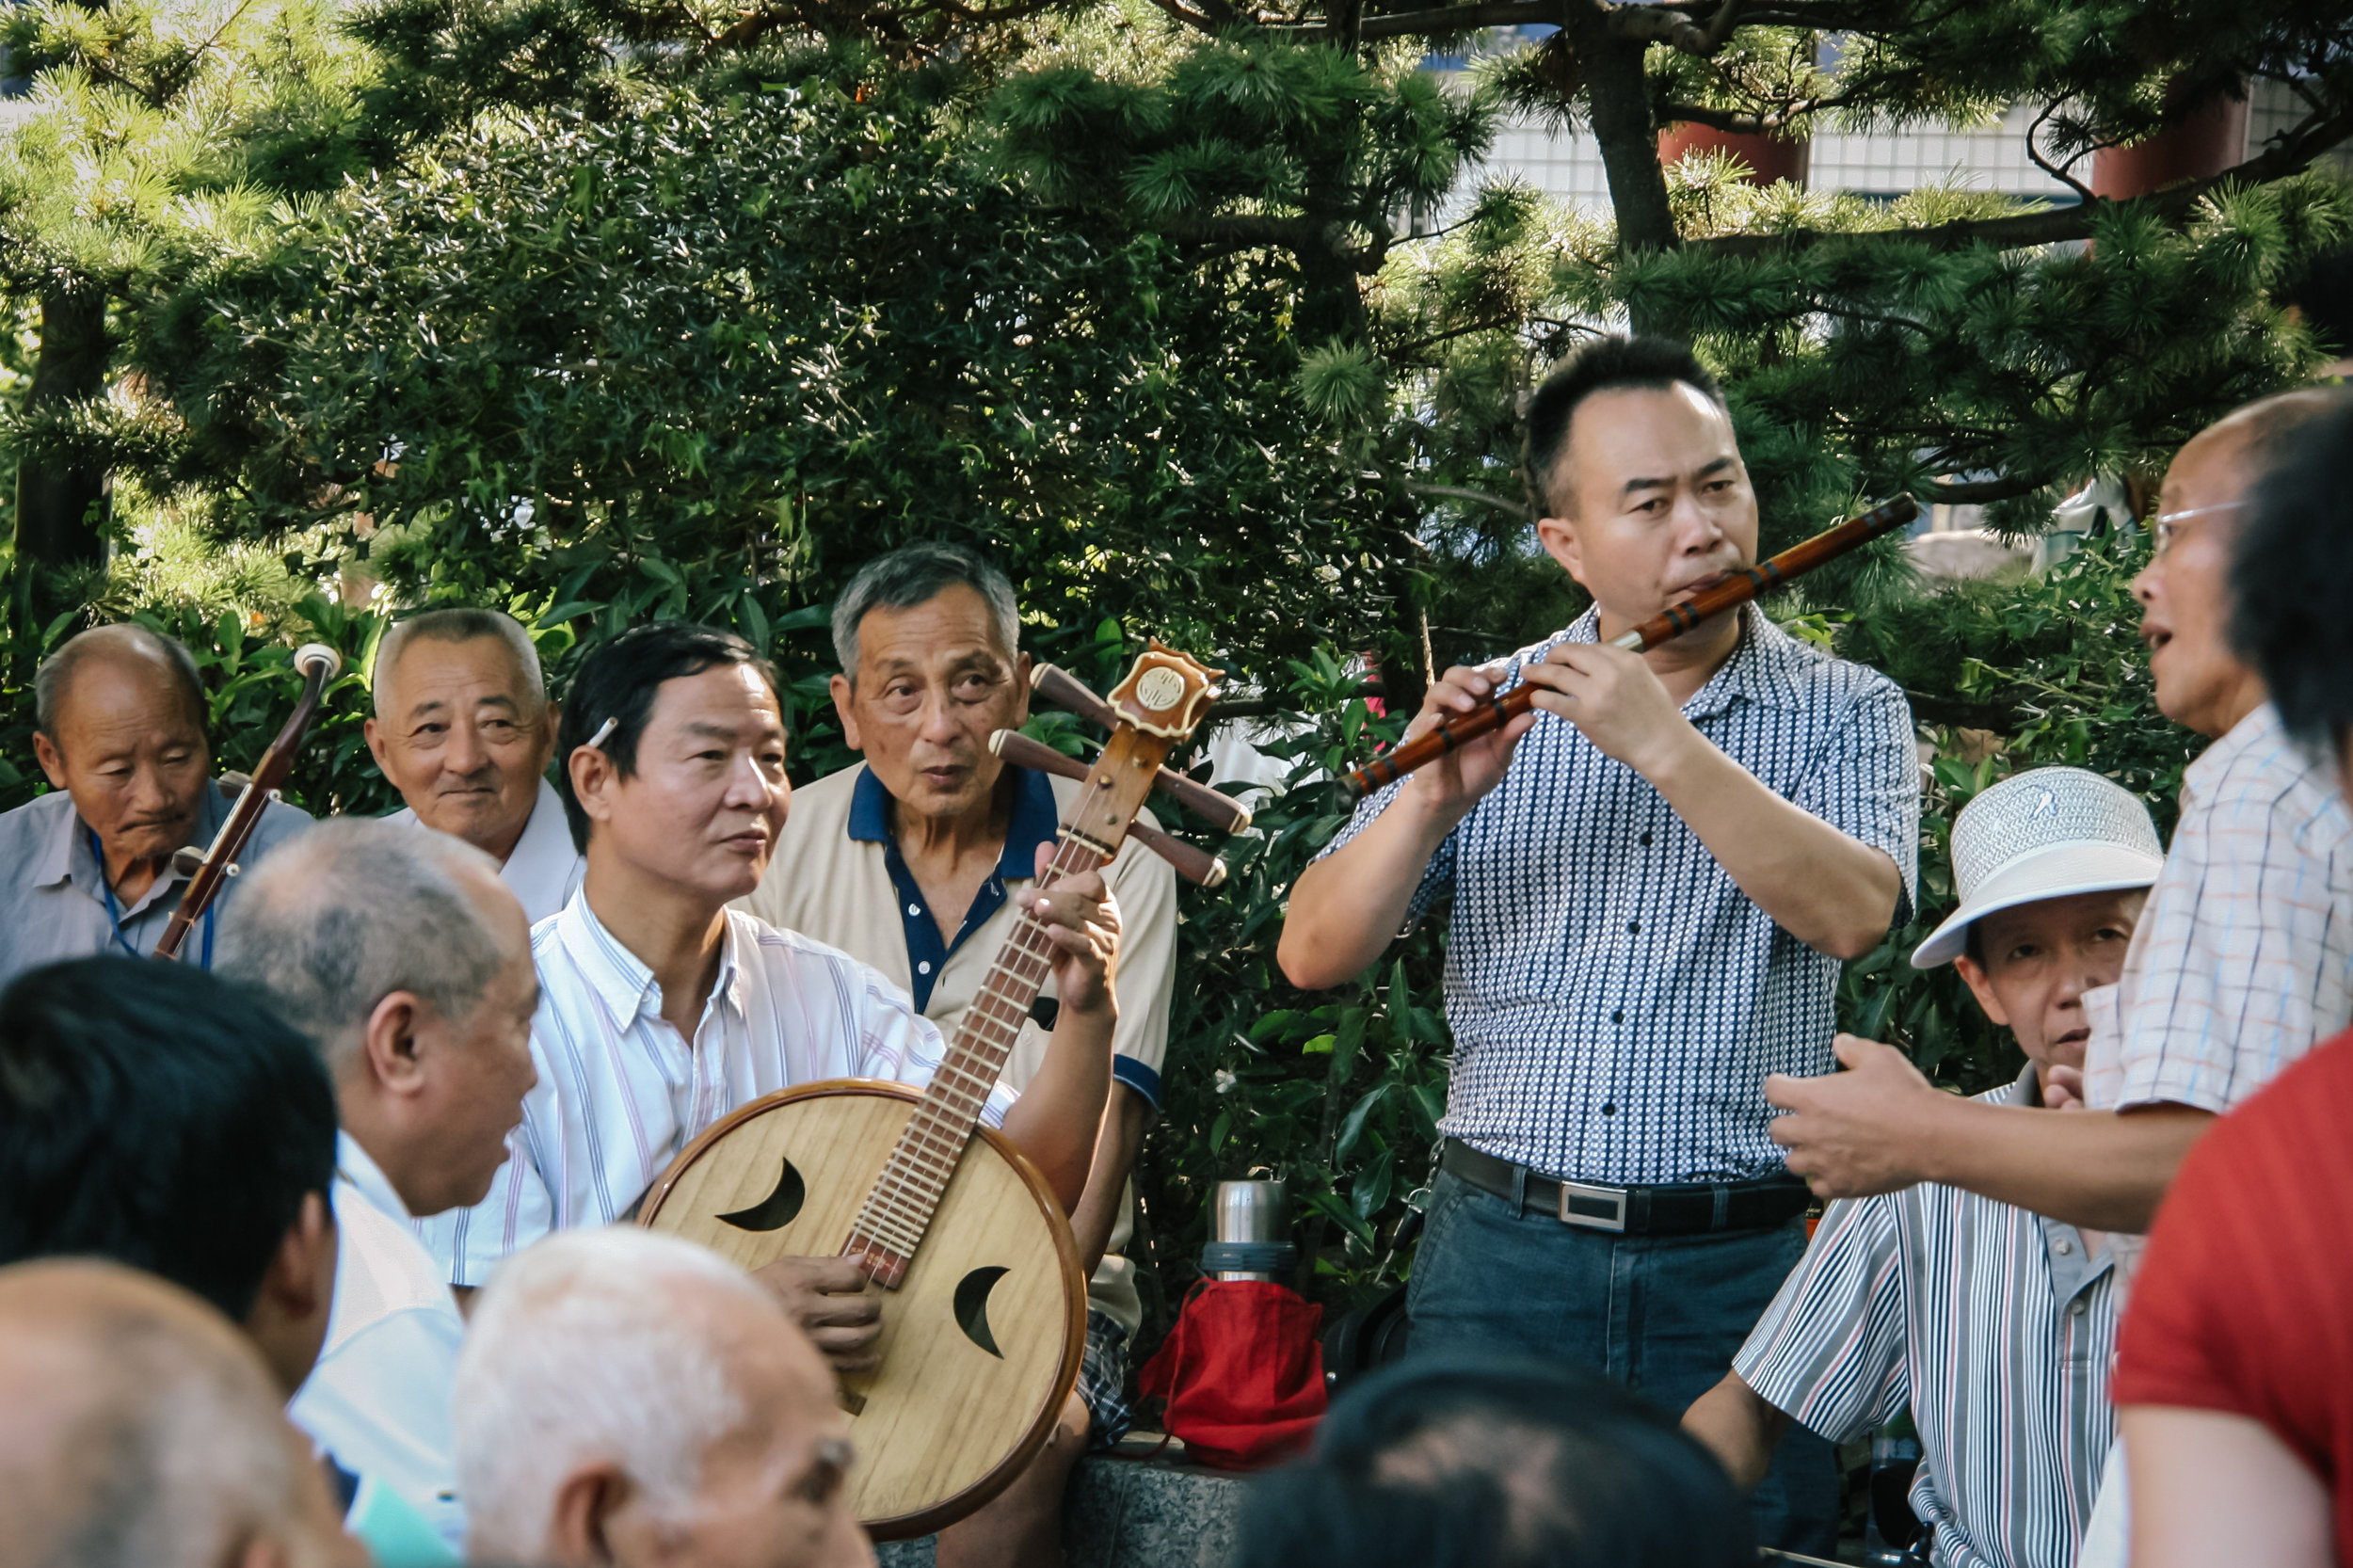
[[57, 504], [1617, 95]]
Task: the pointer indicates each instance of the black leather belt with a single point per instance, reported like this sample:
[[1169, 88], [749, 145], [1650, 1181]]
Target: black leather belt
[[1690, 1209]]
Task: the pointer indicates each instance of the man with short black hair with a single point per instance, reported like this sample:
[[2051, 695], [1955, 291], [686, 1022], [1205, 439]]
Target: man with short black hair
[[160, 1116], [1505, 1462], [664, 1010], [463, 728], [912, 861], [408, 963], [1653, 876], [120, 714]]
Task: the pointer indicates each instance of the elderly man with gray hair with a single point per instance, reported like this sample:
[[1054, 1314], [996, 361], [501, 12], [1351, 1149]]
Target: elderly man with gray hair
[[634, 1400], [463, 729], [408, 963], [912, 862]]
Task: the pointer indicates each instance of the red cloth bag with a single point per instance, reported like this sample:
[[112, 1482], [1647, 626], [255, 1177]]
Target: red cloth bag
[[1242, 1372]]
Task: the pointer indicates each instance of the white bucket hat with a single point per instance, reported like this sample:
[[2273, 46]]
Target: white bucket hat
[[2045, 833]]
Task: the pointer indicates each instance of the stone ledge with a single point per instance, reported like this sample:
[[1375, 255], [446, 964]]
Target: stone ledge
[[1132, 1513]]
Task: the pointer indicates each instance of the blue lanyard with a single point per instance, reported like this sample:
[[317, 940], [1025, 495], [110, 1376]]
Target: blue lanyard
[[113, 915]]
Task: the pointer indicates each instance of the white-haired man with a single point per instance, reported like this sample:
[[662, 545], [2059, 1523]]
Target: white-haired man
[[403, 956], [634, 1400], [463, 728], [143, 1431]]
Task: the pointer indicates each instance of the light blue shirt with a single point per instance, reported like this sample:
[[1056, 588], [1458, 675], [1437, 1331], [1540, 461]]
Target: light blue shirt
[[53, 889], [378, 1400]]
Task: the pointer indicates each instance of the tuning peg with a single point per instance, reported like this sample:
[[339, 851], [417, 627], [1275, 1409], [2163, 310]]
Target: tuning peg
[[1059, 687], [187, 860], [1193, 863]]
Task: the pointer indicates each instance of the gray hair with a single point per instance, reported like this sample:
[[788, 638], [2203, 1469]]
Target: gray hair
[[160, 1442], [462, 624], [348, 911], [57, 671], [917, 574], [586, 1347]]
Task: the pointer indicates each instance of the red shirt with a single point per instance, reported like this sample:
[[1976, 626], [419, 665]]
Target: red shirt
[[2245, 1301]]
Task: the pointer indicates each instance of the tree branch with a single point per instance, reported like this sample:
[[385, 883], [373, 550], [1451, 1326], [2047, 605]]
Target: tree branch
[[1733, 122], [1659, 24], [1456, 493], [2295, 154], [1449, 19]]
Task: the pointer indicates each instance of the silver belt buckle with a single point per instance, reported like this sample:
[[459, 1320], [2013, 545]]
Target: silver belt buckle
[[1595, 1208]]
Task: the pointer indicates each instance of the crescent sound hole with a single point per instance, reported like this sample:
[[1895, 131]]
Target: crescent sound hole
[[777, 1209], [972, 1307]]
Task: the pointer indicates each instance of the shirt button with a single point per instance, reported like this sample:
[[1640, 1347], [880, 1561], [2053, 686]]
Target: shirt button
[[1608, 1110], [1617, 1015], [1634, 928], [924, 967], [1643, 840], [2063, 1246], [2078, 1309], [914, 908]]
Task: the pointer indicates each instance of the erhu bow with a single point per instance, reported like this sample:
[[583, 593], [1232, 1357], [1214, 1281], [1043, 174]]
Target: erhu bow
[[1674, 621], [207, 869]]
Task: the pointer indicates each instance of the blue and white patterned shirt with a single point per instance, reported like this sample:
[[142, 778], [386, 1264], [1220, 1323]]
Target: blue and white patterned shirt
[[1616, 1001]]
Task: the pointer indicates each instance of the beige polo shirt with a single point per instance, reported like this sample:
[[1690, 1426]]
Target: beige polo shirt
[[836, 876]]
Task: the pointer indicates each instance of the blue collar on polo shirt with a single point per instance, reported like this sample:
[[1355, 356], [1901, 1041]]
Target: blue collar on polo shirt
[[1035, 821]]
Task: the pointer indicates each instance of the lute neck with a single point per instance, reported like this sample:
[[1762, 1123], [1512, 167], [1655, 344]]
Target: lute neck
[[899, 1209]]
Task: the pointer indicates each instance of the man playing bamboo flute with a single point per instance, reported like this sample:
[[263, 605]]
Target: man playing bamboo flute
[[1654, 878]]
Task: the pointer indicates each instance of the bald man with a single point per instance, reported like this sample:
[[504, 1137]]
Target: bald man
[[408, 962], [119, 715], [634, 1400], [143, 1431]]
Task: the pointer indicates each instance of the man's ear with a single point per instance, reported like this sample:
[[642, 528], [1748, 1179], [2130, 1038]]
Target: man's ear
[[1981, 986], [1022, 665], [51, 759], [389, 1042], [845, 709], [1559, 537], [593, 778], [585, 1501], [379, 745]]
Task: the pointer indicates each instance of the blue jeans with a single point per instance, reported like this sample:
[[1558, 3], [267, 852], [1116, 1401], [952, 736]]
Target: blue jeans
[[1661, 1313]]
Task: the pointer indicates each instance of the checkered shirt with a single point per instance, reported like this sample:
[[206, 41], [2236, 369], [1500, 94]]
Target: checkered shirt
[[621, 1091], [2243, 958], [1616, 1001]]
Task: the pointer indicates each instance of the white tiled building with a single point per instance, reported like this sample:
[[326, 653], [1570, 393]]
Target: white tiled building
[[1566, 165]]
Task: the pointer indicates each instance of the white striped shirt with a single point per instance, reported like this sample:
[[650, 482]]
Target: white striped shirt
[[1616, 999], [1992, 1323], [620, 1092]]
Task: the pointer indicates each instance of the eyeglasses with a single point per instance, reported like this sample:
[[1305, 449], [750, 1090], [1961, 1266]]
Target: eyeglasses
[[2167, 526]]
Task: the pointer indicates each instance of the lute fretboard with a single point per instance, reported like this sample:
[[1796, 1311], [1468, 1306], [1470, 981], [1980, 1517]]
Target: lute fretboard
[[899, 1209]]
